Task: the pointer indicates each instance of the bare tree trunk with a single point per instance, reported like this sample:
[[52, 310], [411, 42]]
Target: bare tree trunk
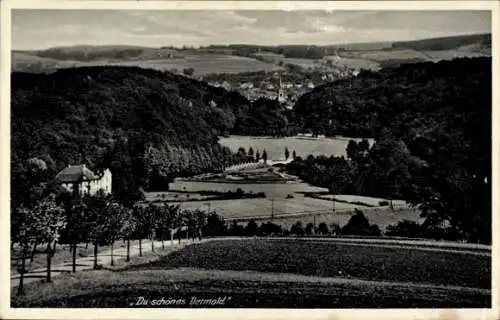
[[49, 256], [152, 242], [87, 245], [128, 249], [187, 234], [74, 256], [163, 239], [112, 248], [140, 247], [20, 289], [54, 250], [96, 250], [172, 237], [33, 251]]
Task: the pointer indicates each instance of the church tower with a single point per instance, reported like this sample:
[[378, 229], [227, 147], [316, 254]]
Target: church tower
[[280, 96]]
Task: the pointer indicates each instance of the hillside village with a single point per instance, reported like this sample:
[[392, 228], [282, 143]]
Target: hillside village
[[284, 86]]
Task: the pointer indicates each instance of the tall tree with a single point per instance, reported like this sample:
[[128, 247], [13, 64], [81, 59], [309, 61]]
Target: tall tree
[[49, 221], [115, 222], [257, 156], [287, 153], [250, 152], [129, 228], [96, 216]]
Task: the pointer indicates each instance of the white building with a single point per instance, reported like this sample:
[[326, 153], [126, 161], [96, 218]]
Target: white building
[[86, 181]]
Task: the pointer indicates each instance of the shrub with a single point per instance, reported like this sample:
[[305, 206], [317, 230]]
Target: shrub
[[309, 228], [335, 229], [251, 229], [360, 226], [375, 230], [405, 228], [322, 228], [297, 229], [269, 228]]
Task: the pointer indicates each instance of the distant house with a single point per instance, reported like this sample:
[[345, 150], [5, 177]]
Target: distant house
[[246, 85], [84, 180]]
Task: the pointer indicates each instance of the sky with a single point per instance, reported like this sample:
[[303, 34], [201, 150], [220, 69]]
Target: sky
[[42, 29]]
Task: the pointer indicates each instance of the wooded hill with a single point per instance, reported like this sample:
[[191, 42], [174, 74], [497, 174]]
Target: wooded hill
[[407, 101], [147, 126], [432, 126]]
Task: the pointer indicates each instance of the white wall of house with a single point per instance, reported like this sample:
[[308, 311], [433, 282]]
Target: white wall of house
[[93, 186]]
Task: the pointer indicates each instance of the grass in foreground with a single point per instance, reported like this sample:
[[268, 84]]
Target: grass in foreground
[[176, 275], [241, 289]]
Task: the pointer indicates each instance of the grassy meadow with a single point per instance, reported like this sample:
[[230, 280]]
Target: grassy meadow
[[271, 190], [306, 210], [275, 147], [202, 63]]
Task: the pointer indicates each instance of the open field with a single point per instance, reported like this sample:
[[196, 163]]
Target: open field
[[382, 217], [277, 58], [380, 56], [174, 196], [303, 209], [352, 62], [280, 273], [205, 64], [270, 189], [275, 147], [326, 259], [202, 63], [361, 199]]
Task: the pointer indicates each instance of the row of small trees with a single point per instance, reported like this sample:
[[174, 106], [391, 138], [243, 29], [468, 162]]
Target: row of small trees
[[251, 156], [99, 219], [358, 224], [243, 156]]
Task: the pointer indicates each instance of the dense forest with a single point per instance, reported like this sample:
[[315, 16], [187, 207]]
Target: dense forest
[[147, 126], [432, 127], [407, 101], [446, 43]]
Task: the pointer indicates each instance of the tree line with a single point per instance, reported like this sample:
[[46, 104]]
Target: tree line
[[99, 219], [445, 190]]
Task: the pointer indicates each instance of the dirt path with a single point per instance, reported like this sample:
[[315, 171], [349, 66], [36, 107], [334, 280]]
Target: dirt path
[[87, 263]]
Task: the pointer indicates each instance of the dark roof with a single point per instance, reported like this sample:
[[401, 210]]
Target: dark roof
[[75, 174]]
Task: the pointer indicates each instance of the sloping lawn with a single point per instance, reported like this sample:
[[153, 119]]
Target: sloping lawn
[[326, 259]]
